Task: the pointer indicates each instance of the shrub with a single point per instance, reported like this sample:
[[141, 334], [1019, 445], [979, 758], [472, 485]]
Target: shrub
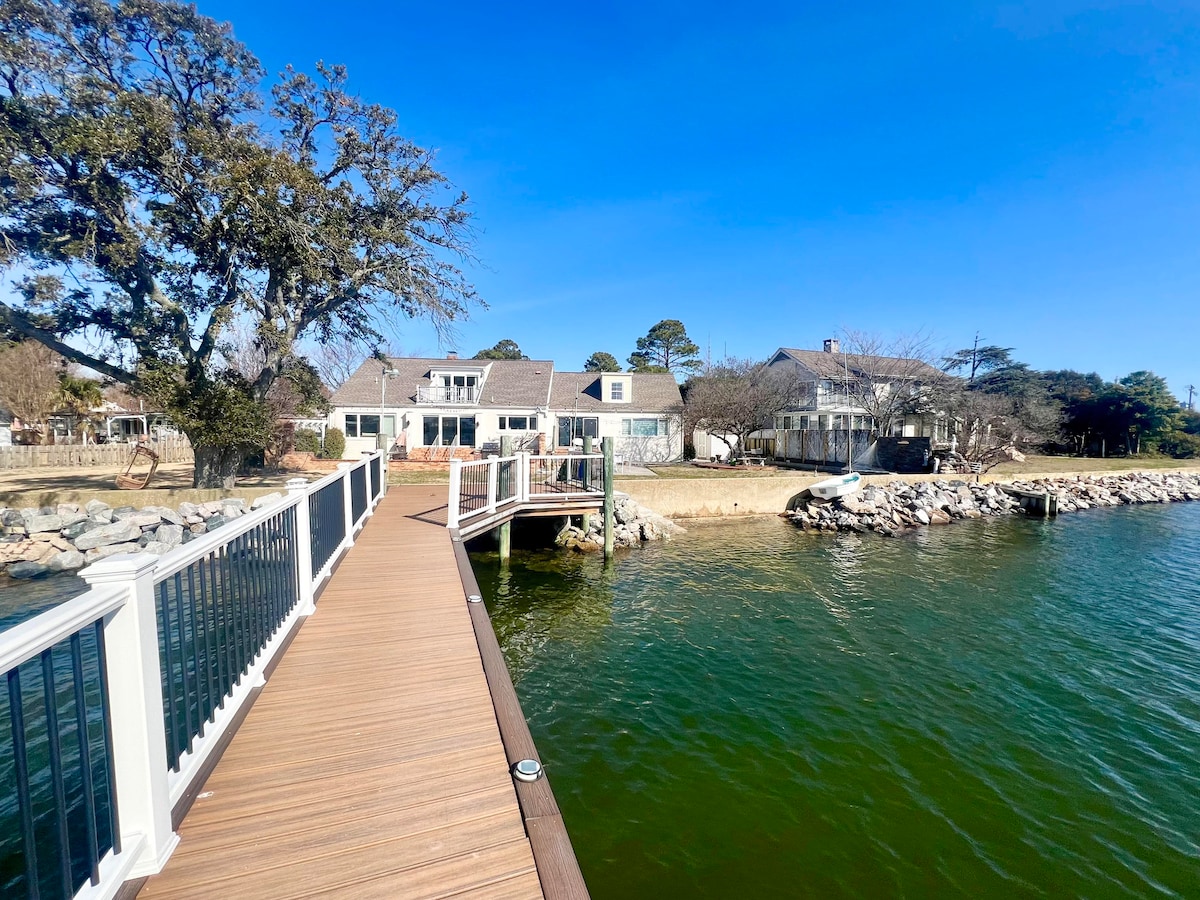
[[335, 443], [307, 441], [1180, 445]]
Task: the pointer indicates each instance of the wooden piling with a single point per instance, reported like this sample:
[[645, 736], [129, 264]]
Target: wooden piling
[[606, 446], [505, 532]]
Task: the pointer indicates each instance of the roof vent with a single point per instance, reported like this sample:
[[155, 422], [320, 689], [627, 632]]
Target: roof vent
[[453, 355]]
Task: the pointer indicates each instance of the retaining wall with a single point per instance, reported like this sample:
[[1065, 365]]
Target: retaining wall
[[685, 498]]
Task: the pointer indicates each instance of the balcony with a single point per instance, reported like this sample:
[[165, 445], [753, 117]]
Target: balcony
[[448, 394]]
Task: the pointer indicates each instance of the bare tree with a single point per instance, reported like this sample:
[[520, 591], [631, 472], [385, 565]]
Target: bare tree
[[889, 378], [993, 427], [29, 383], [737, 397]]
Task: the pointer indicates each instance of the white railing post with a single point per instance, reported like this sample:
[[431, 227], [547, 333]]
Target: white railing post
[[135, 695], [455, 495], [383, 475], [347, 503], [523, 476], [298, 487], [493, 489]]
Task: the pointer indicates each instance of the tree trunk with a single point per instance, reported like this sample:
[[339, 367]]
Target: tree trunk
[[216, 467]]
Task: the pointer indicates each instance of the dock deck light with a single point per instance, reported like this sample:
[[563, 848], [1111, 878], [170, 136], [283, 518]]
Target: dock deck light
[[527, 770]]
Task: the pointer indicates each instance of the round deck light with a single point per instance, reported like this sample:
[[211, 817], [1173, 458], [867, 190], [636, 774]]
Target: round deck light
[[474, 598], [527, 770]]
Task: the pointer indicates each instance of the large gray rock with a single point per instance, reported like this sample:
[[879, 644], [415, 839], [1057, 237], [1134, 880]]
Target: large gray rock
[[143, 519], [215, 521], [27, 570], [40, 524], [266, 499], [94, 506], [165, 513], [112, 550], [65, 560], [107, 535], [170, 534], [188, 509]]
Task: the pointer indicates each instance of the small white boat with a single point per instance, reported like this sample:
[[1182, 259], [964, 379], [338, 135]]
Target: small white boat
[[839, 486]]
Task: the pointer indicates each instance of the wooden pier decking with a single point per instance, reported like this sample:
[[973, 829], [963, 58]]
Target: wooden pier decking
[[371, 765]]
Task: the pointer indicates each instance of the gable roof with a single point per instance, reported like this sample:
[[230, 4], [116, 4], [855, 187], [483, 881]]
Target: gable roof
[[834, 365], [508, 382], [651, 392]]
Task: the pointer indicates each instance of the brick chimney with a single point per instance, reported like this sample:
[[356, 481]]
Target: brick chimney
[[452, 355], [831, 345]]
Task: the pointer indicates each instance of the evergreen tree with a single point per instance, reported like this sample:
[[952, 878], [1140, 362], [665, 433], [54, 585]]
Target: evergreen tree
[[665, 348]]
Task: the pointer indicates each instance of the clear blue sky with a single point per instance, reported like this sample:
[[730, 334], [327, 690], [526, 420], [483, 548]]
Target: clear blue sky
[[774, 173]]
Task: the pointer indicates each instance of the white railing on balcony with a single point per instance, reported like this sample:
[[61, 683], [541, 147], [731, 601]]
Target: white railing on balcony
[[119, 696], [439, 393], [481, 488]]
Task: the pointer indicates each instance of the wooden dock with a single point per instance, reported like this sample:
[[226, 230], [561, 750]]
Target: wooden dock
[[372, 764]]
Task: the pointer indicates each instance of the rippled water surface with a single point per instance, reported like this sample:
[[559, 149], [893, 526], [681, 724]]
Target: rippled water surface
[[1003, 709]]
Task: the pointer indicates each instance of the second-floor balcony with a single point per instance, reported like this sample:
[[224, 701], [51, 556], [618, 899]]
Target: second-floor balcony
[[448, 394]]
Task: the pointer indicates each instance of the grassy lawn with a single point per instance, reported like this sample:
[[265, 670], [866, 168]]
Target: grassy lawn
[[1032, 464], [397, 474], [1080, 464], [688, 471]]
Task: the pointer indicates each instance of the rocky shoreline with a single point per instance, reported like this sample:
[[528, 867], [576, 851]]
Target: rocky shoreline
[[899, 506], [42, 541], [633, 525]]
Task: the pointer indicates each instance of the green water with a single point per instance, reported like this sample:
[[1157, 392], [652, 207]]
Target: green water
[[992, 709]]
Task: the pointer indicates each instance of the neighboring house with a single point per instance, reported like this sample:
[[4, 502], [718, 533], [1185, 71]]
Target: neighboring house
[[438, 408], [6, 427], [815, 428]]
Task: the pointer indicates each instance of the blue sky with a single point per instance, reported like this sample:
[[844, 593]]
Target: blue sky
[[776, 173]]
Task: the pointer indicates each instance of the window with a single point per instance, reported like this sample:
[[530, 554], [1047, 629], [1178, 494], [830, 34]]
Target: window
[[644, 427], [518, 423], [570, 428], [617, 391], [367, 424], [448, 431]]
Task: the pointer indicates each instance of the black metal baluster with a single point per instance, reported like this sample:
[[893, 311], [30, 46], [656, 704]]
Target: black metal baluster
[[173, 748], [208, 591], [239, 612], [106, 718], [203, 675], [218, 608], [54, 742], [201, 718], [185, 743], [85, 758], [16, 715]]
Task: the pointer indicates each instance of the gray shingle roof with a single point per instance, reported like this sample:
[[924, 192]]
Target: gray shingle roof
[[652, 392], [509, 382], [834, 365]]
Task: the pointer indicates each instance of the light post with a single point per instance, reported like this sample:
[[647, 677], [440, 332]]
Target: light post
[[381, 440]]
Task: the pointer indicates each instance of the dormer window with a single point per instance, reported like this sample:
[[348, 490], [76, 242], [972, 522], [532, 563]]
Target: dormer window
[[616, 387]]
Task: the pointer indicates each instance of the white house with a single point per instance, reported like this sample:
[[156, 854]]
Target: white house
[[439, 408], [830, 386]]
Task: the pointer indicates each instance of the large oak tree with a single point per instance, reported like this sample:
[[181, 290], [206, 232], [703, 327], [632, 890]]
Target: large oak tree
[[152, 194]]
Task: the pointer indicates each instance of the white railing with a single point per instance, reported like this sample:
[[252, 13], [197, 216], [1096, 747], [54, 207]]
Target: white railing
[[481, 488], [224, 605], [440, 393]]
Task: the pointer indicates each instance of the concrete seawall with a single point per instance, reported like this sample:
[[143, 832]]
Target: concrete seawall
[[687, 498]]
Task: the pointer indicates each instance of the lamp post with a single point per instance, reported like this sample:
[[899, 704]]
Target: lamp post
[[387, 373]]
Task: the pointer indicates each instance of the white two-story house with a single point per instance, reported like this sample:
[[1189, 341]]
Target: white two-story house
[[437, 409], [834, 405]]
